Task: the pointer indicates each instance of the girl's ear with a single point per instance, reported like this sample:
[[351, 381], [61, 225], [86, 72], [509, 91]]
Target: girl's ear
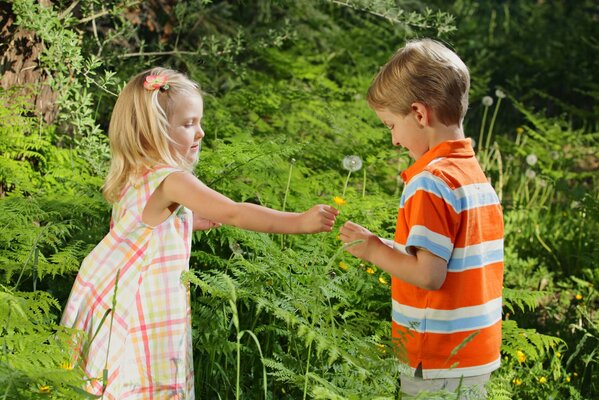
[[422, 114]]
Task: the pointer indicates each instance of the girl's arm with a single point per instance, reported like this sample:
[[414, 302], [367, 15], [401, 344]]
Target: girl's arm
[[185, 189], [424, 269]]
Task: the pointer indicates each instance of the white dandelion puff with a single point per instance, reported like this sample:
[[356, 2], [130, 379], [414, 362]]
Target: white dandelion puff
[[531, 159], [500, 94], [530, 173], [487, 101], [352, 163]]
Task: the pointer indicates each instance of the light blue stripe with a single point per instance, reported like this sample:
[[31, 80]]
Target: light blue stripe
[[428, 244], [475, 261], [443, 326], [441, 190]]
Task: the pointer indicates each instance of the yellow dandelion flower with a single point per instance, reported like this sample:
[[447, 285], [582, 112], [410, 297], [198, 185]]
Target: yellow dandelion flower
[[519, 130], [339, 201], [575, 374], [520, 356], [517, 381], [66, 365], [542, 380], [558, 354], [578, 296], [382, 280], [370, 270], [45, 389], [343, 266], [567, 379], [382, 348]]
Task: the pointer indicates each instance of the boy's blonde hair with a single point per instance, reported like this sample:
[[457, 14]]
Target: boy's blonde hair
[[423, 71], [139, 129]]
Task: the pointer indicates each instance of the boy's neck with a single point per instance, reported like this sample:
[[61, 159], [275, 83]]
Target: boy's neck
[[438, 133]]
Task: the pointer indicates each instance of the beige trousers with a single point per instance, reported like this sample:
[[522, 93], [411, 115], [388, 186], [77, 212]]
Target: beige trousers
[[470, 388]]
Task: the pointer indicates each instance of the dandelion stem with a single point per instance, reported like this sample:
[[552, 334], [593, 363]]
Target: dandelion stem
[[346, 182], [285, 197], [364, 183], [490, 132], [482, 128]]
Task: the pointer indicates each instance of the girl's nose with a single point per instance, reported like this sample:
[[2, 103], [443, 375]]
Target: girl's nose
[[200, 132]]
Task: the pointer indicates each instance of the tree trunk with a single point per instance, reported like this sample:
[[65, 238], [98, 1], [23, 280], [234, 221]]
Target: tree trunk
[[19, 64]]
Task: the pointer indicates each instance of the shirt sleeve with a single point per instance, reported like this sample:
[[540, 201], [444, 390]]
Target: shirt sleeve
[[430, 215]]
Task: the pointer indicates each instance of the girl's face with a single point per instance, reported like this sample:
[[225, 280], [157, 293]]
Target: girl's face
[[185, 126], [405, 132]]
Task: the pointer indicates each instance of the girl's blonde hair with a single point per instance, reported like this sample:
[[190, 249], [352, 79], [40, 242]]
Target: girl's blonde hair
[[423, 71], [139, 129]]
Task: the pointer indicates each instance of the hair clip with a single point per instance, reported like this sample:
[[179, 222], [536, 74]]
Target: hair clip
[[154, 82]]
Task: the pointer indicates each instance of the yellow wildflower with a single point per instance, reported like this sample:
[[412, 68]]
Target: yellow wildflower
[[578, 296], [339, 201], [45, 389], [567, 379], [370, 270], [517, 381], [343, 266], [66, 365], [519, 130], [382, 348], [520, 356], [382, 280], [558, 354], [542, 380], [575, 374]]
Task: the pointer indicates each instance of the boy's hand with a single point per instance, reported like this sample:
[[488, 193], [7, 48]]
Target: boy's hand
[[351, 232], [203, 224], [319, 218]]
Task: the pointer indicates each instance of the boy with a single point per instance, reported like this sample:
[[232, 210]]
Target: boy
[[446, 261]]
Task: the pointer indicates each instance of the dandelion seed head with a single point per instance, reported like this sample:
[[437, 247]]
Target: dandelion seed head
[[352, 163], [531, 159], [575, 204], [500, 94], [487, 101], [554, 155], [473, 143], [530, 173]]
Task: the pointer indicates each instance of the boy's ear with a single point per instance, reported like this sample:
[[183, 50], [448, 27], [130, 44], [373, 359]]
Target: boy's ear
[[422, 113]]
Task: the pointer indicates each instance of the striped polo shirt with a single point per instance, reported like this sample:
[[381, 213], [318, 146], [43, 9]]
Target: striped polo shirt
[[449, 208]]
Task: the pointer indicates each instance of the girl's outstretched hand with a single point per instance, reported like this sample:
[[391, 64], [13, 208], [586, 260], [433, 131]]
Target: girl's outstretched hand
[[203, 224], [319, 218]]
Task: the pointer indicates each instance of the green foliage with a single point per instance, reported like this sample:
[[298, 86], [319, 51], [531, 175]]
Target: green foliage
[[295, 317]]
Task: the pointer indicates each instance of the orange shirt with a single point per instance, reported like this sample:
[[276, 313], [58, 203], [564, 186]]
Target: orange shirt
[[449, 208]]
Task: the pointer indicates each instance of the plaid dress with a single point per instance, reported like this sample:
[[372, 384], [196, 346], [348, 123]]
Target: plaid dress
[[147, 353]]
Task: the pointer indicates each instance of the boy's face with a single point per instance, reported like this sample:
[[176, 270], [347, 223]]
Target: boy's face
[[405, 132]]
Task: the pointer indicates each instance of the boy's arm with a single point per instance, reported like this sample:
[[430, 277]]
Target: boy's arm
[[184, 188], [423, 269]]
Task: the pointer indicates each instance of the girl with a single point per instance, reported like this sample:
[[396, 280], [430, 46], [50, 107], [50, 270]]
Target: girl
[[128, 297]]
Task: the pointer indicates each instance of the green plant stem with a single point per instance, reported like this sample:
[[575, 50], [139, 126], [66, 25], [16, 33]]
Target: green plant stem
[[105, 372], [345, 186], [307, 370]]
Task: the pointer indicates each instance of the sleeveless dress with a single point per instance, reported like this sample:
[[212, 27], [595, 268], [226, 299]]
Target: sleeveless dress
[[145, 341]]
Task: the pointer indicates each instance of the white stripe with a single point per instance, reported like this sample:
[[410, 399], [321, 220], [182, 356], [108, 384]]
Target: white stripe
[[400, 247], [457, 372], [447, 315], [439, 239], [476, 256]]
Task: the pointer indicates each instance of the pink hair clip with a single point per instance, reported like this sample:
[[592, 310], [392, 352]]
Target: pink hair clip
[[154, 82]]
